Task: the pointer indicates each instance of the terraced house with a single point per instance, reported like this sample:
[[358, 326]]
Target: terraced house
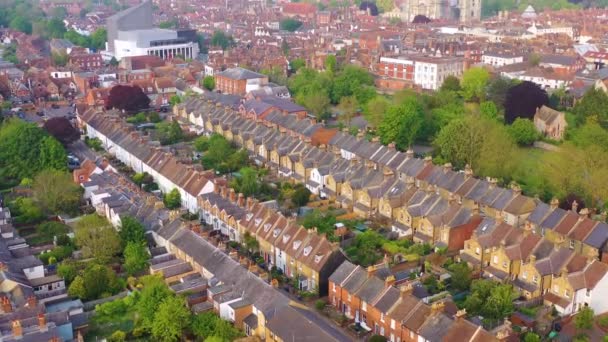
[[370, 297], [302, 254]]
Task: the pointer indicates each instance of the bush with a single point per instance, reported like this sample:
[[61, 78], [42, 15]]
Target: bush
[[377, 338], [603, 321], [320, 304], [118, 336]]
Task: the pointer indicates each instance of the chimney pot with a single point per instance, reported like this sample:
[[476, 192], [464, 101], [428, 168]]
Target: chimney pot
[[42, 321], [575, 206], [17, 329]]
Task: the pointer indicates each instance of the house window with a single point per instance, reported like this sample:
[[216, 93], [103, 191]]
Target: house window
[[392, 324], [567, 293], [504, 264], [495, 259], [364, 318], [571, 244], [381, 317], [477, 250], [334, 287], [364, 306], [348, 297], [535, 279]]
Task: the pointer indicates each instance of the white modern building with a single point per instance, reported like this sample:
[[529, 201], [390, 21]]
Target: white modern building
[[500, 59], [158, 42]]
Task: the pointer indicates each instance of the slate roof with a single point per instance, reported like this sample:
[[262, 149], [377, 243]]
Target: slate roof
[[240, 74]]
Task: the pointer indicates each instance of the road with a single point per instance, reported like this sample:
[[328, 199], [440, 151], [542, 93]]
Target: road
[[82, 151]]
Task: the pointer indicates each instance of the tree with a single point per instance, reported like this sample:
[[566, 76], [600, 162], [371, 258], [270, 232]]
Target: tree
[[171, 319], [154, 292], [52, 154], [169, 24], [474, 82], [370, 7], [136, 257], [531, 337], [248, 182], [22, 24], [488, 110], [131, 230], [421, 19], [209, 83], [534, 59], [375, 109], [451, 83], [175, 100], [25, 149], [172, 199], [96, 238], [210, 326], [523, 100], [67, 271], [59, 12], [61, 129], [56, 192], [127, 98], [348, 107], [98, 39], [402, 123], [483, 144], [523, 132], [60, 58], [351, 79], [76, 288], [584, 319], [26, 211], [460, 276], [385, 5], [331, 63], [285, 48], [318, 104], [301, 196], [593, 104], [296, 64], [377, 338], [169, 133], [221, 39], [497, 90], [290, 24], [118, 336]]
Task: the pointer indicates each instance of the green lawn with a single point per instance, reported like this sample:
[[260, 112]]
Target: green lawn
[[103, 327]]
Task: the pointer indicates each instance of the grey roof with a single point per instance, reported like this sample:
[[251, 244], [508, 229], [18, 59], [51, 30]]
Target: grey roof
[[342, 272], [553, 219], [435, 327], [356, 280], [598, 236], [371, 289], [239, 73], [539, 213], [389, 299], [295, 324]]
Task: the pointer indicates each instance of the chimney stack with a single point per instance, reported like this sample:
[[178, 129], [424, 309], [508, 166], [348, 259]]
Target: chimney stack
[[468, 172], [428, 160], [392, 146], [409, 154], [6, 305], [437, 306], [584, 213], [232, 195], [447, 167], [240, 200], [42, 322], [249, 202], [406, 289], [370, 271], [32, 302], [17, 329], [554, 203], [575, 206], [389, 281], [460, 314]]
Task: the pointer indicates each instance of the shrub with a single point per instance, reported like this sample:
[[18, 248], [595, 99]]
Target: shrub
[[118, 336], [320, 304]]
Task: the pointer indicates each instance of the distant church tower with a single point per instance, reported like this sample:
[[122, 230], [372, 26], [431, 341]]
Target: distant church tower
[[462, 10]]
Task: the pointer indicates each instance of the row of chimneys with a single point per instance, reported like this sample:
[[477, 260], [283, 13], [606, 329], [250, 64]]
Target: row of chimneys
[[18, 328]]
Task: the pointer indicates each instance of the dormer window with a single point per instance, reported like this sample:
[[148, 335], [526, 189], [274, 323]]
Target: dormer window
[[248, 217], [267, 227], [296, 244], [258, 221], [318, 257], [286, 238], [307, 250], [276, 232]]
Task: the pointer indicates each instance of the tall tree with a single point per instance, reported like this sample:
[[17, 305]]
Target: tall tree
[[61, 129], [593, 104], [221, 39], [52, 154], [451, 83], [523, 100], [375, 109], [127, 98], [209, 83], [131, 230], [318, 103], [171, 319], [402, 123], [56, 192], [97, 238], [474, 82], [136, 257], [523, 132], [154, 292], [348, 106]]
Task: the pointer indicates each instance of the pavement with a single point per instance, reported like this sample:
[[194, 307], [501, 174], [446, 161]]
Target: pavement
[[82, 151]]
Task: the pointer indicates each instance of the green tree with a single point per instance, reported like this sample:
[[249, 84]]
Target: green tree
[[97, 238], [52, 154], [348, 81], [175, 100], [209, 83], [385, 5], [497, 90], [451, 83], [290, 24], [136, 257], [56, 192], [460, 276], [331, 63], [318, 103], [523, 132], [402, 123], [375, 109], [100, 280], [68, 271], [26, 211], [593, 103], [172, 199], [247, 183], [22, 24], [171, 319], [201, 144], [154, 292], [531, 337], [221, 39], [131, 230], [348, 106], [584, 319], [296, 64], [77, 289], [474, 82], [170, 133], [59, 59], [488, 110], [118, 336], [98, 39], [301, 196]]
